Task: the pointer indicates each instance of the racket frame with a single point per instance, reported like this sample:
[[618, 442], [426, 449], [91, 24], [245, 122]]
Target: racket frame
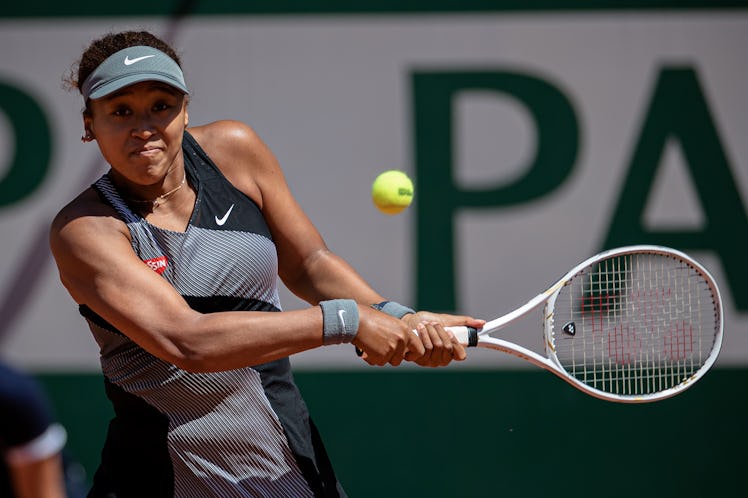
[[482, 338]]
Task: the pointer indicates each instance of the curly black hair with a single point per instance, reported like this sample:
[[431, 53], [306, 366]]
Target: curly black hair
[[99, 50]]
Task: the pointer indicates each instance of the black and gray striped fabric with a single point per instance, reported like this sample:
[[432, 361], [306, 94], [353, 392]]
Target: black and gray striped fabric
[[238, 433]]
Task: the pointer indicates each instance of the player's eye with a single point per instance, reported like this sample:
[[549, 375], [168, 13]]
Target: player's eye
[[161, 106], [121, 111]]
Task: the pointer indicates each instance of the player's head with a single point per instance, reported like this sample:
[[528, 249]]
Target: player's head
[[134, 93]]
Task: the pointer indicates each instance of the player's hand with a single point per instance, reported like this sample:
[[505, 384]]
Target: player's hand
[[441, 346], [384, 339]]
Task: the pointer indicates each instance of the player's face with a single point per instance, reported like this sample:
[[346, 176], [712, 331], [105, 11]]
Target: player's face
[[139, 130]]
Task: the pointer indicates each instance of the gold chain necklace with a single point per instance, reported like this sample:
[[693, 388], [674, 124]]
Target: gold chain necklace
[[161, 198]]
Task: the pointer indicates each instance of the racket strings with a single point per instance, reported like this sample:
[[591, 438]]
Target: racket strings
[[643, 323]]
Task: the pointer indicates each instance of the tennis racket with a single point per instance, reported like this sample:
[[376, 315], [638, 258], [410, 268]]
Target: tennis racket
[[631, 325]]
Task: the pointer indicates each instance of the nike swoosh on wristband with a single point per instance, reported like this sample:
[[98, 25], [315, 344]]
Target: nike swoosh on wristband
[[129, 62], [221, 221], [340, 317]]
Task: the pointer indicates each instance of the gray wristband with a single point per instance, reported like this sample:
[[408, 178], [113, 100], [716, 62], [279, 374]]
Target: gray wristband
[[339, 321], [393, 309]]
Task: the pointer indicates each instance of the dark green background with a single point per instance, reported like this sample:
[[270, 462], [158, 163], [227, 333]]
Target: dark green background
[[449, 433]]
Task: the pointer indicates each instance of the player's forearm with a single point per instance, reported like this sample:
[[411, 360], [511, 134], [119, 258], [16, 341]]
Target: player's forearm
[[328, 276], [229, 340]]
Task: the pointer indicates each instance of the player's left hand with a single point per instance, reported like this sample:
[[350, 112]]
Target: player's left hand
[[441, 346]]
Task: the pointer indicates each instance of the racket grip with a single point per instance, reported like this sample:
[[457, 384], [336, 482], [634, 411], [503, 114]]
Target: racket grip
[[467, 336]]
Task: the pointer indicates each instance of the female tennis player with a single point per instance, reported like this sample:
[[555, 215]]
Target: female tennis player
[[173, 257]]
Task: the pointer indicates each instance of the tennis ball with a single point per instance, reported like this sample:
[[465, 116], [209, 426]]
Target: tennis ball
[[392, 191]]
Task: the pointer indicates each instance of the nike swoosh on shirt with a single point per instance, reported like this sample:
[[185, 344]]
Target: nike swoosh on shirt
[[221, 221], [129, 61]]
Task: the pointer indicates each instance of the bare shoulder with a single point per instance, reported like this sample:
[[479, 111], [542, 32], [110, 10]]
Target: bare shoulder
[[239, 153], [83, 217], [228, 138]]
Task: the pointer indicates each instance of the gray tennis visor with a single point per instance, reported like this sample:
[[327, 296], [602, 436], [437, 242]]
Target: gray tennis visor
[[133, 65]]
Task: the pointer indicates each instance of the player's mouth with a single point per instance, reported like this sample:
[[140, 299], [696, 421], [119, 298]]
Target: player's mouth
[[147, 151]]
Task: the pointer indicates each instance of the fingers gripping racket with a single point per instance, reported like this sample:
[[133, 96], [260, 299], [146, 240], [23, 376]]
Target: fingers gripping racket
[[633, 324]]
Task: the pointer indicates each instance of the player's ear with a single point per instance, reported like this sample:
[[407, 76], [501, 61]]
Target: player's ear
[[88, 135], [186, 110]]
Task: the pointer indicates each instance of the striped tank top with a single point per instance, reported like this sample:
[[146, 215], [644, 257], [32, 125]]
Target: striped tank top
[[238, 433]]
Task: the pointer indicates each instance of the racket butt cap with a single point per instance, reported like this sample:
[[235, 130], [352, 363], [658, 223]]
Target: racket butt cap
[[472, 337]]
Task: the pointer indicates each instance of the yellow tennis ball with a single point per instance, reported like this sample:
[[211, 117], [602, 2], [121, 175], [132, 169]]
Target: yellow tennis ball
[[392, 191]]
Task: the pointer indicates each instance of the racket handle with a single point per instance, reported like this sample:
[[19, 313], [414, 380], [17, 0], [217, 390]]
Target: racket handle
[[467, 336]]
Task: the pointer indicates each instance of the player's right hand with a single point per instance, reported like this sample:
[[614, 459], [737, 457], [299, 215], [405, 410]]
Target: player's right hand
[[385, 339]]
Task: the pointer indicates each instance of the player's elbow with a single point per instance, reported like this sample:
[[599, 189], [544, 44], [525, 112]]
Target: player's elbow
[[190, 361], [194, 361], [188, 351]]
